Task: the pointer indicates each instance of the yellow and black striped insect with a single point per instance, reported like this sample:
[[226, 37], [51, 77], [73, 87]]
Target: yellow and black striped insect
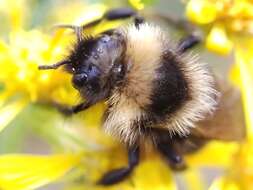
[[155, 91]]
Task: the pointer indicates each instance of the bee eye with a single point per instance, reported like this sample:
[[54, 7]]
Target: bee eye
[[79, 80], [73, 69]]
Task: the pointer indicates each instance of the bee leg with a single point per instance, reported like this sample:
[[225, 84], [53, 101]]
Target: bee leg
[[167, 150], [119, 13], [68, 111], [115, 14], [117, 175], [188, 42], [174, 158]]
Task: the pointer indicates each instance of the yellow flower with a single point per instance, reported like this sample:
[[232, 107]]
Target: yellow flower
[[19, 60], [25, 51], [223, 18]]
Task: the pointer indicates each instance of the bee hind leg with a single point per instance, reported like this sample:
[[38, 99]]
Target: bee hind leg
[[168, 147], [117, 175], [171, 156]]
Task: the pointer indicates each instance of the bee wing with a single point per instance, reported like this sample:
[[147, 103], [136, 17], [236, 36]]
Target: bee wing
[[226, 124]]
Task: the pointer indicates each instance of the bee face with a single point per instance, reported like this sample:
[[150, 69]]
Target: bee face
[[86, 76], [94, 62]]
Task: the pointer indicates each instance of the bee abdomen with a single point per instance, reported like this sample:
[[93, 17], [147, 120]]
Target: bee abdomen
[[170, 88]]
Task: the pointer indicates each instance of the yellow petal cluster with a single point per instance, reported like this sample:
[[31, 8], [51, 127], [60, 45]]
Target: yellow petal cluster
[[202, 12], [20, 77], [20, 59], [222, 19]]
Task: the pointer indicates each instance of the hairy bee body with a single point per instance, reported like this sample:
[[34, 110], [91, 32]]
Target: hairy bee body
[[162, 88], [153, 88]]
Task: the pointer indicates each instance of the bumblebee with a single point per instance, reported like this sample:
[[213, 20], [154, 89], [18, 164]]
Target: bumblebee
[[155, 91]]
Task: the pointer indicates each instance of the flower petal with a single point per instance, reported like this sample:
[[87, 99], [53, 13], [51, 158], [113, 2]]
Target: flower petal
[[200, 11], [29, 172], [244, 64], [223, 184], [194, 179], [153, 174], [205, 157], [218, 41], [9, 112]]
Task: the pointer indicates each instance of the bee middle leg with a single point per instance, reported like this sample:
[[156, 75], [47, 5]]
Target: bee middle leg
[[188, 42], [117, 175], [193, 34]]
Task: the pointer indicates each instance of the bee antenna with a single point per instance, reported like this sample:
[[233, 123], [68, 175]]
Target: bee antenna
[[54, 66]]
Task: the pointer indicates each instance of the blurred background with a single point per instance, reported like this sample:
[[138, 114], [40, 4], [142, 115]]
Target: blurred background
[[42, 149]]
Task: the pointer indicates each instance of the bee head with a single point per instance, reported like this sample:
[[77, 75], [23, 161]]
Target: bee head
[[96, 64]]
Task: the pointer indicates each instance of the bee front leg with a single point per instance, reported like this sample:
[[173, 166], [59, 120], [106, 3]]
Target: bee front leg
[[70, 110], [117, 175]]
